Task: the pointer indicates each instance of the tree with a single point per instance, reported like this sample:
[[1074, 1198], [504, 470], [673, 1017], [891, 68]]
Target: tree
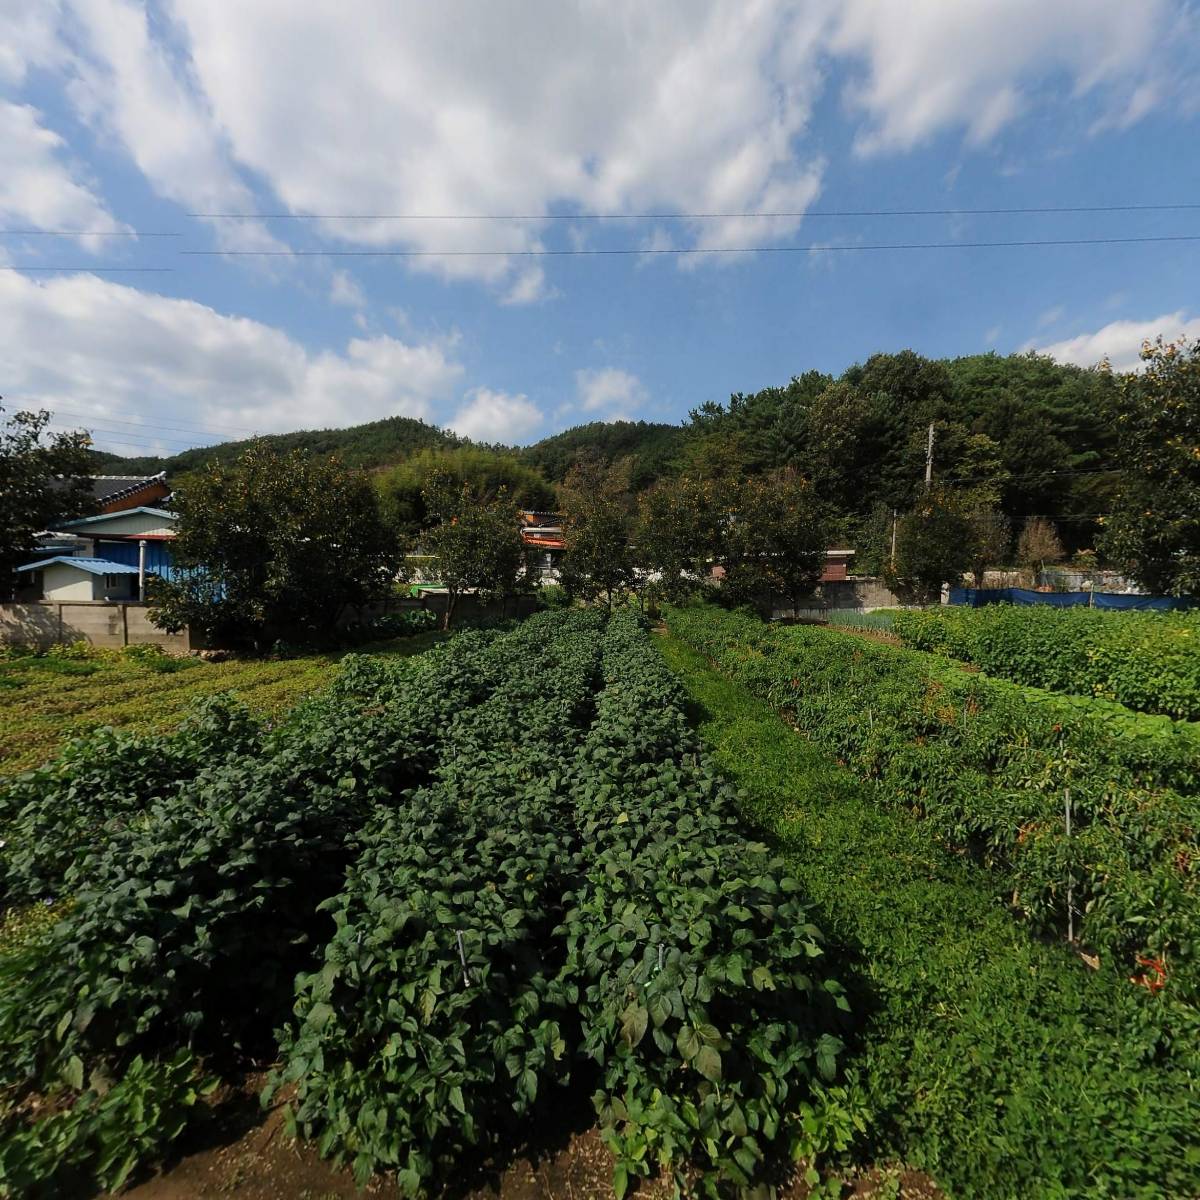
[[778, 539], [598, 515], [1039, 544], [477, 541], [1154, 530], [992, 537], [272, 547], [934, 545], [680, 527], [486, 472], [44, 479]]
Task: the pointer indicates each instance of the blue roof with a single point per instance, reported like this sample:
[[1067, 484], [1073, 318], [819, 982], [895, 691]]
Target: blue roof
[[94, 566], [121, 512]]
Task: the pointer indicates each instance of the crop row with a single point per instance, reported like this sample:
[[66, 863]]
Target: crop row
[[569, 902], [1146, 661], [472, 879], [197, 880], [1086, 812]]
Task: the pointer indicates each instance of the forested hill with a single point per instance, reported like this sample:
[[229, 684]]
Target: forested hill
[[654, 448], [1034, 435], [376, 444]]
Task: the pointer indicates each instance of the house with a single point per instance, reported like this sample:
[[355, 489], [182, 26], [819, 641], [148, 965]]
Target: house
[[542, 534], [77, 577], [116, 493], [113, 553]]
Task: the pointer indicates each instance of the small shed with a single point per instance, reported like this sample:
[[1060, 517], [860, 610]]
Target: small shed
[[74, 577]]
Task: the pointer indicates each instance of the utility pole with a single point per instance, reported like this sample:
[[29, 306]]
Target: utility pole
[[893, 536], [929, 457]]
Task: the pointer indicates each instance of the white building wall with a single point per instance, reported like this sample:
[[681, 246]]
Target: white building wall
[[60, 582]]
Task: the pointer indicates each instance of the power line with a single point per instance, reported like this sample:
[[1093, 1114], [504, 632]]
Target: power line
[[92, 270], [142, 424], [133, 233], [1047, 474], [630, 251], [702, 216]]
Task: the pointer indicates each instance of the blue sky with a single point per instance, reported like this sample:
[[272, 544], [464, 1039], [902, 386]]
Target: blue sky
[[128, 117]]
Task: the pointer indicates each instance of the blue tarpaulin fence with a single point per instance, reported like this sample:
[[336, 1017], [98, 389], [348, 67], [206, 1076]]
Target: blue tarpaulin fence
[[977, 597]]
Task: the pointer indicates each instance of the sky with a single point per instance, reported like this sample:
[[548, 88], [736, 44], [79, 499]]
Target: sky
[[263, 216]]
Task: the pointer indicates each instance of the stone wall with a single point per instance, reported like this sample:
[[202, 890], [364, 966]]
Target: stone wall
[[46, 623]]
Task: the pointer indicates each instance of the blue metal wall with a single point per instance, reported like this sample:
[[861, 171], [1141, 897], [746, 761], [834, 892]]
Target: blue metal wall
[[976, 598]]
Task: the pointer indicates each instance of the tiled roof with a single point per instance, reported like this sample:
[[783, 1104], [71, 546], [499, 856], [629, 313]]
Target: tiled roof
[[94, 566]]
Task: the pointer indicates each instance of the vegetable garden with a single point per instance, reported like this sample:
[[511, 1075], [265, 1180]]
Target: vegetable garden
[[455, 885], [1147, 661], [1085, 812]]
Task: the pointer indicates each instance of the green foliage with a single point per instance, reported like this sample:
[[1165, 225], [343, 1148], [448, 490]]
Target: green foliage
[[777, 541], [996, 1062], [611, 919], [990, 766], [213, 888], [108, 1131], [1154, 532], [680, 531], [880, 618], [406, 623], [652, 448], [477, 542], [697, 973], [43, 480], [1144, 660], [51, 817], [272, 547], [375, 444], [935, 545], [47, 699], [598, 527], [485, 472]]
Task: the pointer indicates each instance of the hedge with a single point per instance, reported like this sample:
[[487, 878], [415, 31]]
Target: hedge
[[1146, 661]]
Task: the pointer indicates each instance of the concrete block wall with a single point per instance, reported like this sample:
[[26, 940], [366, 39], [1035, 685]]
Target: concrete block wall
[[46, 623]]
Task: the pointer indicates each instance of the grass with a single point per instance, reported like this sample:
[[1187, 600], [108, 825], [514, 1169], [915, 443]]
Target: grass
[[998, 1064], [880, 619], [46, 700]]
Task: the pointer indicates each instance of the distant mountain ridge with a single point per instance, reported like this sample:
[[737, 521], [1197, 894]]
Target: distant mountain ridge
[[394, 439], [375, 444]]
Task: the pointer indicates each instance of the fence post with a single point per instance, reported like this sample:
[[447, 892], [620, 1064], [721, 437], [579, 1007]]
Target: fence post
[[124, 624]]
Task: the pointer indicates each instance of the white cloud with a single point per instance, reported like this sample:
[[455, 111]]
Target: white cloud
[[344, 289], [927, 69], [126, 83], [1051, 317], [37, 189], [529, 286], [1120, 341], [96, 347], [27, 38], [611, 106], [615, 107], [609, 392], [489, 416]]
